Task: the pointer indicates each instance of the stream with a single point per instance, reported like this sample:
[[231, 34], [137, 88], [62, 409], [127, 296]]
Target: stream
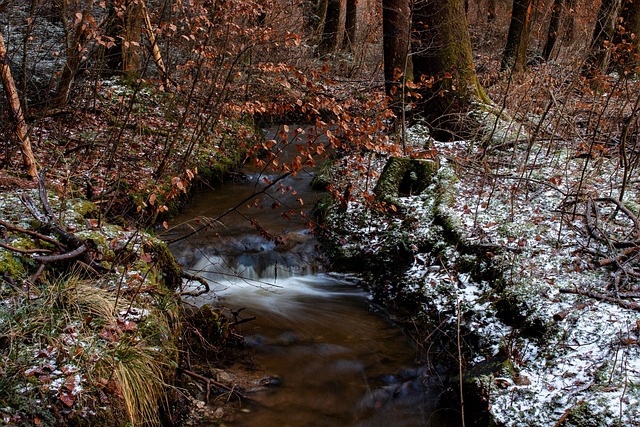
[[334, 360]]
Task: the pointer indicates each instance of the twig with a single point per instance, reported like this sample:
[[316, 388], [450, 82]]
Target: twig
[[209, 381], [601, 297], [621, 257], [563, 418], [241, 321], [23, 251]]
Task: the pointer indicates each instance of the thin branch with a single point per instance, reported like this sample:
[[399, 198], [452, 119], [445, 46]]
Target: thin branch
[[601, 297], [35, 234], [228, 211], [24, 251]]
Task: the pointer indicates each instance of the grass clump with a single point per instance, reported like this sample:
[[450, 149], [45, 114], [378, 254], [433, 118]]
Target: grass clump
[[72, 352]]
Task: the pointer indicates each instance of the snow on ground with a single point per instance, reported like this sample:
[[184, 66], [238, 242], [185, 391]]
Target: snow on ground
[[542, 214]]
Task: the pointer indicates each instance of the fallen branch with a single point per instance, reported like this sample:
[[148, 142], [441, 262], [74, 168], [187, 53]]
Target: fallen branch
[[31, 233], [209, 381], [62, 257], [601, 297], [50, 224], [241, 321], [195, 278], [620, 258]]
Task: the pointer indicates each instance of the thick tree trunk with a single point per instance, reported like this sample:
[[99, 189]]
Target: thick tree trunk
[[552, 34], [350, 25], [330, 32], [125, 26], [599, 54], [515, 52], [395, 32], [443, 63], [132, 35], [22, 130]]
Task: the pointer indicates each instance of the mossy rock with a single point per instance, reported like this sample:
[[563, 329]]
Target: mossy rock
[[166, 263], [405, 177]]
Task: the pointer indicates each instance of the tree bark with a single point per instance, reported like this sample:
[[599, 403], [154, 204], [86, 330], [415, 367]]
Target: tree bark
[[443, 64], [132, 34], [331, 29], [350, 25], [22, 130], [491, 13], [515, 52], [552, 34], [75, 47], [599, 53], [155, 49], [395, 32]]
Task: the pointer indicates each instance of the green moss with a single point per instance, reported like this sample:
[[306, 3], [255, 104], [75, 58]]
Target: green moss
[[403, 177], [166, 263], [10, 264], [583, 415]]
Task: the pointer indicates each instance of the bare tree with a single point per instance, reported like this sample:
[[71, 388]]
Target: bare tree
[[22, 131], [331, 30], [515, 52], [443, 64], [599, 54], [395, 16], [554, 25]]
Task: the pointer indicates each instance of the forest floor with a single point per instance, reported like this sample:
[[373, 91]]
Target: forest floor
[[524, 255]]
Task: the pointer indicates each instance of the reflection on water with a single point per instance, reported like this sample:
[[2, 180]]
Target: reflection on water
[[339, 363]]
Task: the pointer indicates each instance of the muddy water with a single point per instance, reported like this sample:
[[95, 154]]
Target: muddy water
[[334, 361]]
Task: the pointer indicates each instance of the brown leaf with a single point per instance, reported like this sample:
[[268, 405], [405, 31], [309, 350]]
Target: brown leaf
[[67, 398]]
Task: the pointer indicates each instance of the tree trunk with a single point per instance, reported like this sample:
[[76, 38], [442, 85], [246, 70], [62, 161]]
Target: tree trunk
[[22, 130], [491, 13], [125, 26], [442, 51], [350, 25], [75, 48], [155, 49], [515, 52], [599, 54], [132, 34], [330, 32], [552, 34], [570, 21], [395, 32]]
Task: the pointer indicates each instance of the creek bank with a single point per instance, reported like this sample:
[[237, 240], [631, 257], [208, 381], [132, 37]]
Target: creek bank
[[492, 263], [97, 344], [84, 344]]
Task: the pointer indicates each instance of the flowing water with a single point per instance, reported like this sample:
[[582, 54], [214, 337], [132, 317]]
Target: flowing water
[[334, 361]]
